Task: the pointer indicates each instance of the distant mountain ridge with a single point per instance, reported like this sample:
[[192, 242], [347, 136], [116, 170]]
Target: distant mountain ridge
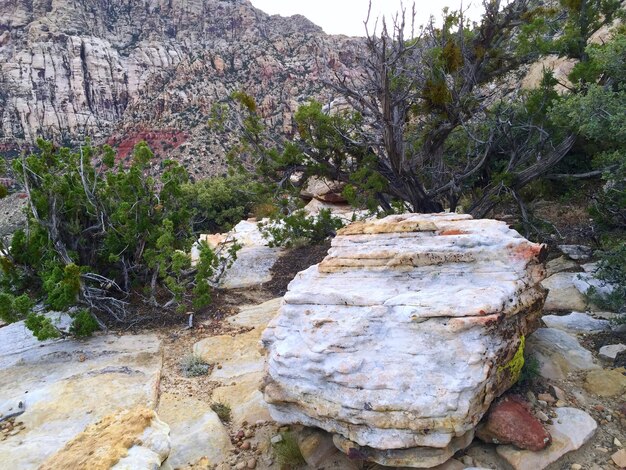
[[121, 71]]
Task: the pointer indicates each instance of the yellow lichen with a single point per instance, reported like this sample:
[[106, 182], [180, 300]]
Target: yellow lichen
[[515, 365]]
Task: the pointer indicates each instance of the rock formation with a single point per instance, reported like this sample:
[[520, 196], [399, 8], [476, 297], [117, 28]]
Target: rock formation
[[133, 439], [399, 340], [66, 385], [155, 70]]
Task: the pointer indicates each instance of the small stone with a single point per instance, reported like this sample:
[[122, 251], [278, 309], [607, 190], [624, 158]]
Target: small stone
[[241, 466], [619, 458], [563, 295], [576, 466], [559, 393], [558, 353], [576, 322], [561, 404], [316, 446], [276, 439], [546, 397], [617, 442], [571, 430], [245, 445], [542, 403], [604, 450], [611, 351], [605, 382], [576, 252], [467, 460], [510, 422], [248, 433], [542, 416], [251, 463]]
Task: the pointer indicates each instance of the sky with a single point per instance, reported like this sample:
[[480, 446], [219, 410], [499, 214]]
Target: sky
[[347, 16]]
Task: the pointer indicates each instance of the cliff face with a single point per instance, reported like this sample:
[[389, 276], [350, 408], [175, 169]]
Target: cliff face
[[125, 70]]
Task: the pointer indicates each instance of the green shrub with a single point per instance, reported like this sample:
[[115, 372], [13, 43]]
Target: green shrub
[[220, 203], [4, 192], [41, 326], [194, 366], [222, 411], [530, 371], [100, 233], [299, 229], [14, 308], [83, 324], [612, 270], [287, 451]]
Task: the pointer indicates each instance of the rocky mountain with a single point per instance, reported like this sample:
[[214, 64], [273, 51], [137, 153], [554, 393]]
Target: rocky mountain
[[122, 71]]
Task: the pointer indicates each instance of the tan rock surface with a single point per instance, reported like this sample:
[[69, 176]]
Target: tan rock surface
[[133, 439], [67, 385], [606, 382], [195, 431]]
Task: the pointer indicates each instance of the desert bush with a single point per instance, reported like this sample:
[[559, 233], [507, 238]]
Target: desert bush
[[530, 370], [298, 229], [83, 324], [287, 451], [222, 411], [221, 202], [194, 366], [100, 232], [612, 271]]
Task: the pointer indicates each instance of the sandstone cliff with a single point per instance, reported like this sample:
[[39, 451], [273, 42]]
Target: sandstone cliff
[[126, 71]]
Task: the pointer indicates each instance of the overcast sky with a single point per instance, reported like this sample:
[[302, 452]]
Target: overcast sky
[[347, 16]]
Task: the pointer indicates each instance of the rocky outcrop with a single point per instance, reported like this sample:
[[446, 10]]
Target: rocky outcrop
[[399, 340], [129, 440], [66, 385], [155, 69]]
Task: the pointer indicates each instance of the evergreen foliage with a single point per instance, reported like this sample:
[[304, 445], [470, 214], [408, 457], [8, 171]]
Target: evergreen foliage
[[100, 232]]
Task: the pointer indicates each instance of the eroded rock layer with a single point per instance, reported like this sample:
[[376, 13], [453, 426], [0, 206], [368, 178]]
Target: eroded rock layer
[[405, 333]]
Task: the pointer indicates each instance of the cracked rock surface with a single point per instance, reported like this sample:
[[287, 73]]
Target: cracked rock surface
[[405, 333]]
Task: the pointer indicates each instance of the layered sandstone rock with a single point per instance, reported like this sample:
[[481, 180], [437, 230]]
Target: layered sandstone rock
[[401, 338]]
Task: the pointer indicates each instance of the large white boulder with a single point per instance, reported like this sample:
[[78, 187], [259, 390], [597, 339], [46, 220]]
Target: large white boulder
[[405, 333]]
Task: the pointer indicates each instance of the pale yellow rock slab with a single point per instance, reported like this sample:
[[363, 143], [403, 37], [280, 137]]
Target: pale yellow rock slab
[[195, 431], [133, 439], [67, 385], [606, 382], [234, 355], [563, 294], [256, 316], [244, 398]]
